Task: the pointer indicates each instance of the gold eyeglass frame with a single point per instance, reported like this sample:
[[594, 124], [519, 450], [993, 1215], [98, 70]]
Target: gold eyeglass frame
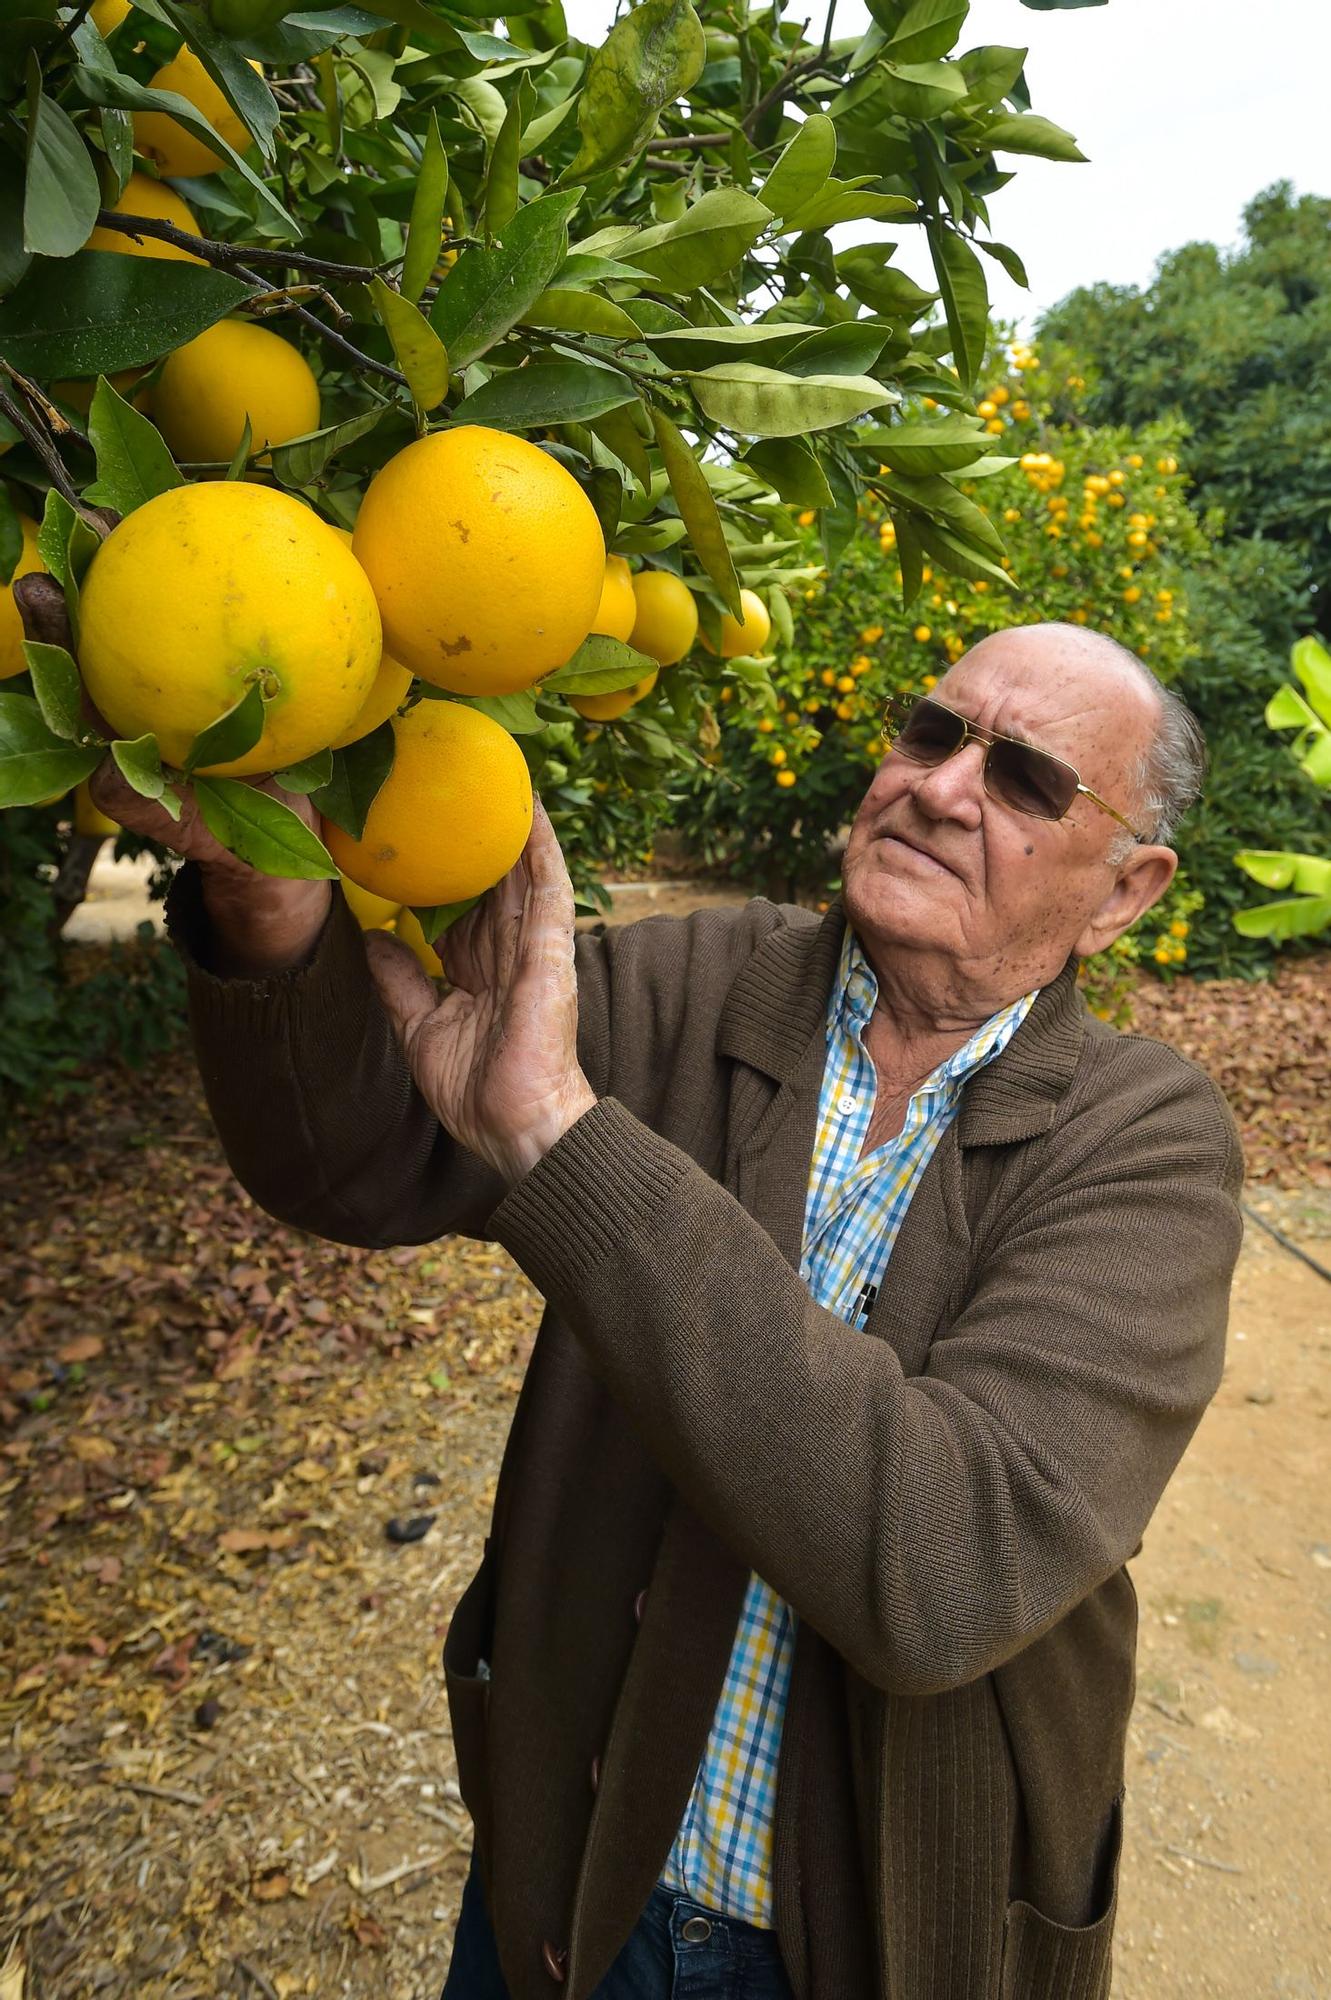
[[971, 733]]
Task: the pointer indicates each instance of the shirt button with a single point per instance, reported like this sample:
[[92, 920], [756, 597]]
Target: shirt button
[[555, 1961], [845, 1104], [695, 1930]]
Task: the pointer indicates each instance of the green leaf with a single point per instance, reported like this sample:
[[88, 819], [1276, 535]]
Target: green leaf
[[34, 762], [839, 201], [59, 691], [555, 392], [66, 544], [920, 90], [1018, 132], [617, 430], [791, 468], [700, 347], [1008, 258], [434, 922], [247, 93], [965, 298], [300, 461], [651, 57], [991, 72], [425, 231], [928, 29], [867, 275], [133, 463], [581, 312], [98, 312], [421, 354], [852, 348], [501, 176], [514, 712], [258, 828], [488, 291], [310, 775], [124, 94], [1305, 916], [544, 127], [928, 444], [358, 774], [484, 103], [1304, 872], [60, 195], [802, 170], [650, 538], [14, 259], [697, 507], [240, 457], [1287, 709], [232, 734], [910, 555], [939, 500], [1312, 664], [601, 665], [705, 245], [139, 762], [762, 402]]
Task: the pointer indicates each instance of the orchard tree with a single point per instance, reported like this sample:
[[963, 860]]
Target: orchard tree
[[240, 244]]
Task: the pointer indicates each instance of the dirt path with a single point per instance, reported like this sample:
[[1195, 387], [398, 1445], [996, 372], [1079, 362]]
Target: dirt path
[[224, 1757]]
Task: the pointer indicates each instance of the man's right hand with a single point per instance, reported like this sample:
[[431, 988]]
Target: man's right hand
[[261, 924]]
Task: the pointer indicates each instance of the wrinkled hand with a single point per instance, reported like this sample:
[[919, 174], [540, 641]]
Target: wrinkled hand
[[496, 1056], [263, 923]]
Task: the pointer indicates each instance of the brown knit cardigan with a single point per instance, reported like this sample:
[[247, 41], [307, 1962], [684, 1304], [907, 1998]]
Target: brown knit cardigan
[[946, 1496]]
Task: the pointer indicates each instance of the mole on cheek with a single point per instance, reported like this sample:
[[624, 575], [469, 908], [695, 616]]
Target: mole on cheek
[[1030, 850]]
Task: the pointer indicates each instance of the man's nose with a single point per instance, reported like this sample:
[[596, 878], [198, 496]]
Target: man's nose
[[954, 789]]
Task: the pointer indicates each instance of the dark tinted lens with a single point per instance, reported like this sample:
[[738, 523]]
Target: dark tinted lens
[[926, 732], [1030, 780]]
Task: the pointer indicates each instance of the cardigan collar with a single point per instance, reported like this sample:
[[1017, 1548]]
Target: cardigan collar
[[779, 1002]]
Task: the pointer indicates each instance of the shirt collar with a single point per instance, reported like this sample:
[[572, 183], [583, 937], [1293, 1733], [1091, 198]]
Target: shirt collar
[[855, 995]]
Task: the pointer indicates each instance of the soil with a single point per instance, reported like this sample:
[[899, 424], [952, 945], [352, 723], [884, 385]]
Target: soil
[[224, 1756]]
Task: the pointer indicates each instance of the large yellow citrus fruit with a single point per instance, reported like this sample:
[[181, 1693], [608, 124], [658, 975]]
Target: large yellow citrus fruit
[[667, 621], [452, 816], [89, 818], [145, 196], [605, 707], [372, 913], [164, 140], [618, 608], [107, 15], [408, 928], [209, 587], [234, 370], [486, 558], [11, 624], [392, 684], [748, 635], [79, 392]]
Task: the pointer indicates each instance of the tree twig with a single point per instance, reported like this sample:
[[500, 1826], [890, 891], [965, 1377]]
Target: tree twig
[[75, 21], [680, 139], [233, 255], [44, 446]]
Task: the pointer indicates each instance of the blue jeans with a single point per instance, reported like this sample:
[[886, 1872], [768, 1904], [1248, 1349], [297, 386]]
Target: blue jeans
[[666, 1958]]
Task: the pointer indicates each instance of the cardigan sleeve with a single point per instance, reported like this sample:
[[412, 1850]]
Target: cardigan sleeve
[[931, 1526]]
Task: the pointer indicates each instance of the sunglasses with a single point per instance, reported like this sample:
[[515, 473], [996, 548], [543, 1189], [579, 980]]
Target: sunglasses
[[1015, 774]]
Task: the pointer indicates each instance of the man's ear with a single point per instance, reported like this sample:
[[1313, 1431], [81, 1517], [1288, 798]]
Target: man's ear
[[1140, 882]]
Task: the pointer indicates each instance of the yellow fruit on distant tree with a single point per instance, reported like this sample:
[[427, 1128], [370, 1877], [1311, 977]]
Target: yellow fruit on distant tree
[[408, 928], [372, 913], [210, 587], [618, 608], [11, 624], [605, 707], [748, 635], [164, 140], [451, 817], [667, 621], [234, 370], [392, 684], [486, 558], [89, 818], [145, 196], [107, 15]]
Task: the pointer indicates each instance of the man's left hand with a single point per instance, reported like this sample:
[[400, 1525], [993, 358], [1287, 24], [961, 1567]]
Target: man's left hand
[[496, 1054]]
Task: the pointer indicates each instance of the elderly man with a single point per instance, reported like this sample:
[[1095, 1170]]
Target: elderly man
[[885, 1289]]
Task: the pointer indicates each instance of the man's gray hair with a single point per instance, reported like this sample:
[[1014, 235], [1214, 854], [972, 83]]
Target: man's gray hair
[[1169, 776]]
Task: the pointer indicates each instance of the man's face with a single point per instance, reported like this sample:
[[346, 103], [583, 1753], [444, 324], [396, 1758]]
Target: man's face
[[935, 864]]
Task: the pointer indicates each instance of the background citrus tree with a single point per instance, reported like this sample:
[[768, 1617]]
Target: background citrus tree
[[621, 253]]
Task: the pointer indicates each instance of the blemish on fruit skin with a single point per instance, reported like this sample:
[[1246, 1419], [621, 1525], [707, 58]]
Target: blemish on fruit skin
[[450, 648], [385, 854], [463, 530]]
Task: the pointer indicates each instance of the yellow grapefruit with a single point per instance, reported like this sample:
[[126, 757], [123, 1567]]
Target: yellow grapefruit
[[11, 624], [234, 370], [451, 817], [145, 196], [164, 140], [372, 913], [209, 587], [605, 707], [666, 624], [618, 608], [89, 818], [486, 558], [392, 684], [748, 635], [408, 928], [107, 16]]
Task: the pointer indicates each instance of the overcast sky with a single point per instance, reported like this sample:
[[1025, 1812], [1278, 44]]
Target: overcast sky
[[1184, 108]]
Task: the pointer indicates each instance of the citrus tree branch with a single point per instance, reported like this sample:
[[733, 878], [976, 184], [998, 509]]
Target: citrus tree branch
[[231, 256], [43, 444]]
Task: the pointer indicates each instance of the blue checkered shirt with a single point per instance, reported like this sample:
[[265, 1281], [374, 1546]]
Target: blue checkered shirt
[[722, 1856]]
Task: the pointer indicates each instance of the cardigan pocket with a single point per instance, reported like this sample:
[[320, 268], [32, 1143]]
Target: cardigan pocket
[[1043, 1960], [467, 1679]]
